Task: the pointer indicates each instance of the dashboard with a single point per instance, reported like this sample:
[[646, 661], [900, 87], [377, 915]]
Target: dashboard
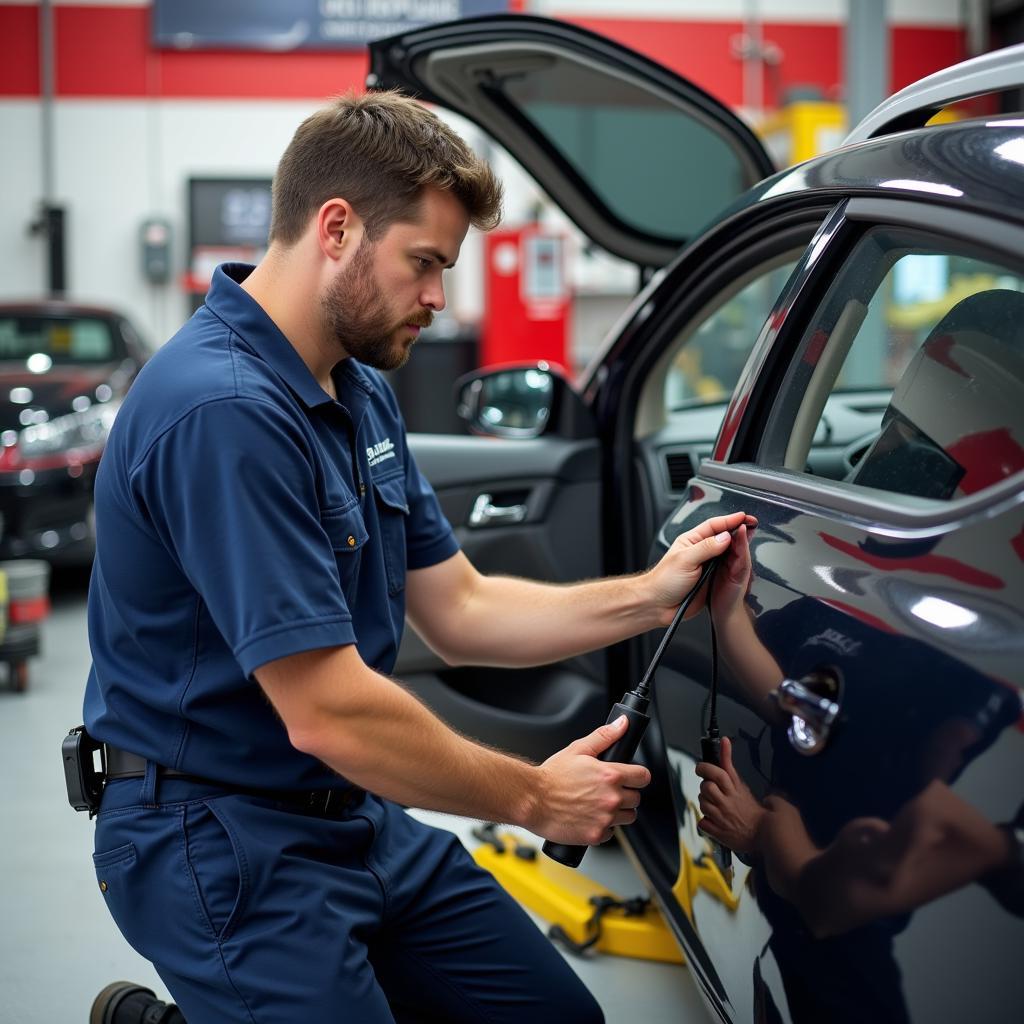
[[851, 421]]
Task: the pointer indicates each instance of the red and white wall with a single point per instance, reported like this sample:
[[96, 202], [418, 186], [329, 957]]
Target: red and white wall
[[132, 124]]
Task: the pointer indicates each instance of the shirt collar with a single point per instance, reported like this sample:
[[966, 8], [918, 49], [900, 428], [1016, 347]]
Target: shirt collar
[[250, 321]]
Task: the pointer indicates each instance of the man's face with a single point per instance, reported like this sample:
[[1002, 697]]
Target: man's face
[[391, 288]]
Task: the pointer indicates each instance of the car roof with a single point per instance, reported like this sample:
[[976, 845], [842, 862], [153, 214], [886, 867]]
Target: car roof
[[972, 165]]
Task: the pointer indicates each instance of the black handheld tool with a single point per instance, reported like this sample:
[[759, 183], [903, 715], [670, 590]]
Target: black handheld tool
[[634, 706]]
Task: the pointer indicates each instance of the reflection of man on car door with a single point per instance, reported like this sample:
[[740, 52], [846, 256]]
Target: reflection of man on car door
[[850, 845]]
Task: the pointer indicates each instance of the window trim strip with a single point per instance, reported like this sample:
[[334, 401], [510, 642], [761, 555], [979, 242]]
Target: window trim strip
[[907, 513], [965, 226]]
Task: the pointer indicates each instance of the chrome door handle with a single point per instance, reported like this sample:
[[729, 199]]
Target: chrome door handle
[[812, 710], [485, 513]]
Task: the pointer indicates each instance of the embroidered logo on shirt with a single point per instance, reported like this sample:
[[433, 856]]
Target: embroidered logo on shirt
[[380, 452]]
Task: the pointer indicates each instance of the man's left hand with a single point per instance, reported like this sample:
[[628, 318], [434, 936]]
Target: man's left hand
[[679, 569]]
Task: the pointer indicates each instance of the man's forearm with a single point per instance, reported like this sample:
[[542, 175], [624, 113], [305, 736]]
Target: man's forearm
[[516, 623], [469, 618], [374, 733], [785, 846], [382, 738]]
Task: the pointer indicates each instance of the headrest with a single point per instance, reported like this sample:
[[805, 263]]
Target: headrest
[[997, 313]]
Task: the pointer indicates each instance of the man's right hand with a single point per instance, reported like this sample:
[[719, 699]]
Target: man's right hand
[[581, 799]]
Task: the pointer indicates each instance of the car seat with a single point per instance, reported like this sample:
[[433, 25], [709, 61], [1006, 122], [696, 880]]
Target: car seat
[[955, 421]]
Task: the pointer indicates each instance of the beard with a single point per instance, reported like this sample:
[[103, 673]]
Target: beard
[[357, 316]]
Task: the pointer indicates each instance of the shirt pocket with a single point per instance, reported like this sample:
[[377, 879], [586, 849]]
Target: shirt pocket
[[392, 510], [346, 530]]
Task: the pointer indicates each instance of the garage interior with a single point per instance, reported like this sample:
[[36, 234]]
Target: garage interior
[[138, 159]]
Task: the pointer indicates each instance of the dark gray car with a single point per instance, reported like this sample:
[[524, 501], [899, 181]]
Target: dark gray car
[[837, 349]]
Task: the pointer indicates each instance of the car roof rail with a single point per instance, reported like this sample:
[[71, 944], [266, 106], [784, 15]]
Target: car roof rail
[[913, 106]]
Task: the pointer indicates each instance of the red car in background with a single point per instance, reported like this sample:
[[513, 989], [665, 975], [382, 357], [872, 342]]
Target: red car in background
[[64, 369]]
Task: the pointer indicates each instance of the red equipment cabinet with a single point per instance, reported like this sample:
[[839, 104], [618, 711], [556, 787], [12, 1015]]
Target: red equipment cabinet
[[527, 300]]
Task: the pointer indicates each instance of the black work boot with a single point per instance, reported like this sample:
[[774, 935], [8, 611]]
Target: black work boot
[[124, 1002]]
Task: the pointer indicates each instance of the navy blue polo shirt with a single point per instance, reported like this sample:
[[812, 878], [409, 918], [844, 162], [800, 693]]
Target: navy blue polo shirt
[[243, 515]]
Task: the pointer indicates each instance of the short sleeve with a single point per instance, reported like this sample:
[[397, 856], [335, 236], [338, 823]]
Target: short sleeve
[[429, 537], [231, 489]]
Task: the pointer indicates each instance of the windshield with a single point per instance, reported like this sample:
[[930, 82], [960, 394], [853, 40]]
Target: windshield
[[709, 360], [42, 341], [920, 288]]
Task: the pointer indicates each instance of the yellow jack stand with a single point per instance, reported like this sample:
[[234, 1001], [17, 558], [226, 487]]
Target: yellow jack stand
[[703, 874], [587, 913]]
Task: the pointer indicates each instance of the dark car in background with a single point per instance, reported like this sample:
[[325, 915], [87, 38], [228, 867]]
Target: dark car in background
[[837, 349], [64, 369]]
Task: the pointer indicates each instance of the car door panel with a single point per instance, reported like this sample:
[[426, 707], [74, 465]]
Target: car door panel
[[529, 711], [927, 738], [912, 612]]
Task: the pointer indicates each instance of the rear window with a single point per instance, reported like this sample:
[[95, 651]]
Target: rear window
[[66, 340]]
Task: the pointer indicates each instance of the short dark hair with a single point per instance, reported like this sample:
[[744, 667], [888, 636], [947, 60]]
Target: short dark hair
[[378, 151]]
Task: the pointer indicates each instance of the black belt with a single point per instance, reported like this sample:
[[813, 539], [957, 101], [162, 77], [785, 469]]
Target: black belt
[[326, 803]]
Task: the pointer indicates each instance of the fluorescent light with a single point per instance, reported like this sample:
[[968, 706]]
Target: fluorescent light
[[922, 186], [943, 614], [824, 572], [1012, 150]]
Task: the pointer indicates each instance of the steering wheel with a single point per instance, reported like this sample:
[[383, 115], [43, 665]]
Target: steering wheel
[[854, 452]]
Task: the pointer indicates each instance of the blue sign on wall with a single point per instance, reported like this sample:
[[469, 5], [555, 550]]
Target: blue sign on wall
[[299, 24]]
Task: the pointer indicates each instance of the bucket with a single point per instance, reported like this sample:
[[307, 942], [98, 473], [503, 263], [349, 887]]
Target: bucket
[[28, 590]]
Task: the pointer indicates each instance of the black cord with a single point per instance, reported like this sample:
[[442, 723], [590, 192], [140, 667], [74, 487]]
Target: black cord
[[713, 696], [643, 687]]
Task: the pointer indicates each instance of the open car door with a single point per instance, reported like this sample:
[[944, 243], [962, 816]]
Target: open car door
[[637, 157]]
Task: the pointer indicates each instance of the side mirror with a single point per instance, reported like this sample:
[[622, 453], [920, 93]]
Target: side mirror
[[521, 402]]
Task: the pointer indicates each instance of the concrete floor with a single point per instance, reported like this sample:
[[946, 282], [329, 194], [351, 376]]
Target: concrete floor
[[58, 946]]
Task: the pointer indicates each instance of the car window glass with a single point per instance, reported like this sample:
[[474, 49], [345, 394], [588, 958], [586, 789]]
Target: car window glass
[[910, 377], [90, 340], [599, 124], [683, 399], [707, 361], [57, 339]]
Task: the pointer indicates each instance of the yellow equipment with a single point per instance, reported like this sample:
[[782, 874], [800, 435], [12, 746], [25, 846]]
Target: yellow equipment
[[704, 874], [588, 914], [801, 130], [806, 128]]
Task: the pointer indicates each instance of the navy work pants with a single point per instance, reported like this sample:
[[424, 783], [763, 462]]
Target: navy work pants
[[255, 912]]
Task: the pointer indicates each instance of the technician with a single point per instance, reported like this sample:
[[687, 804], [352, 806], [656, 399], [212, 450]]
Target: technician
[[262, 532]]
